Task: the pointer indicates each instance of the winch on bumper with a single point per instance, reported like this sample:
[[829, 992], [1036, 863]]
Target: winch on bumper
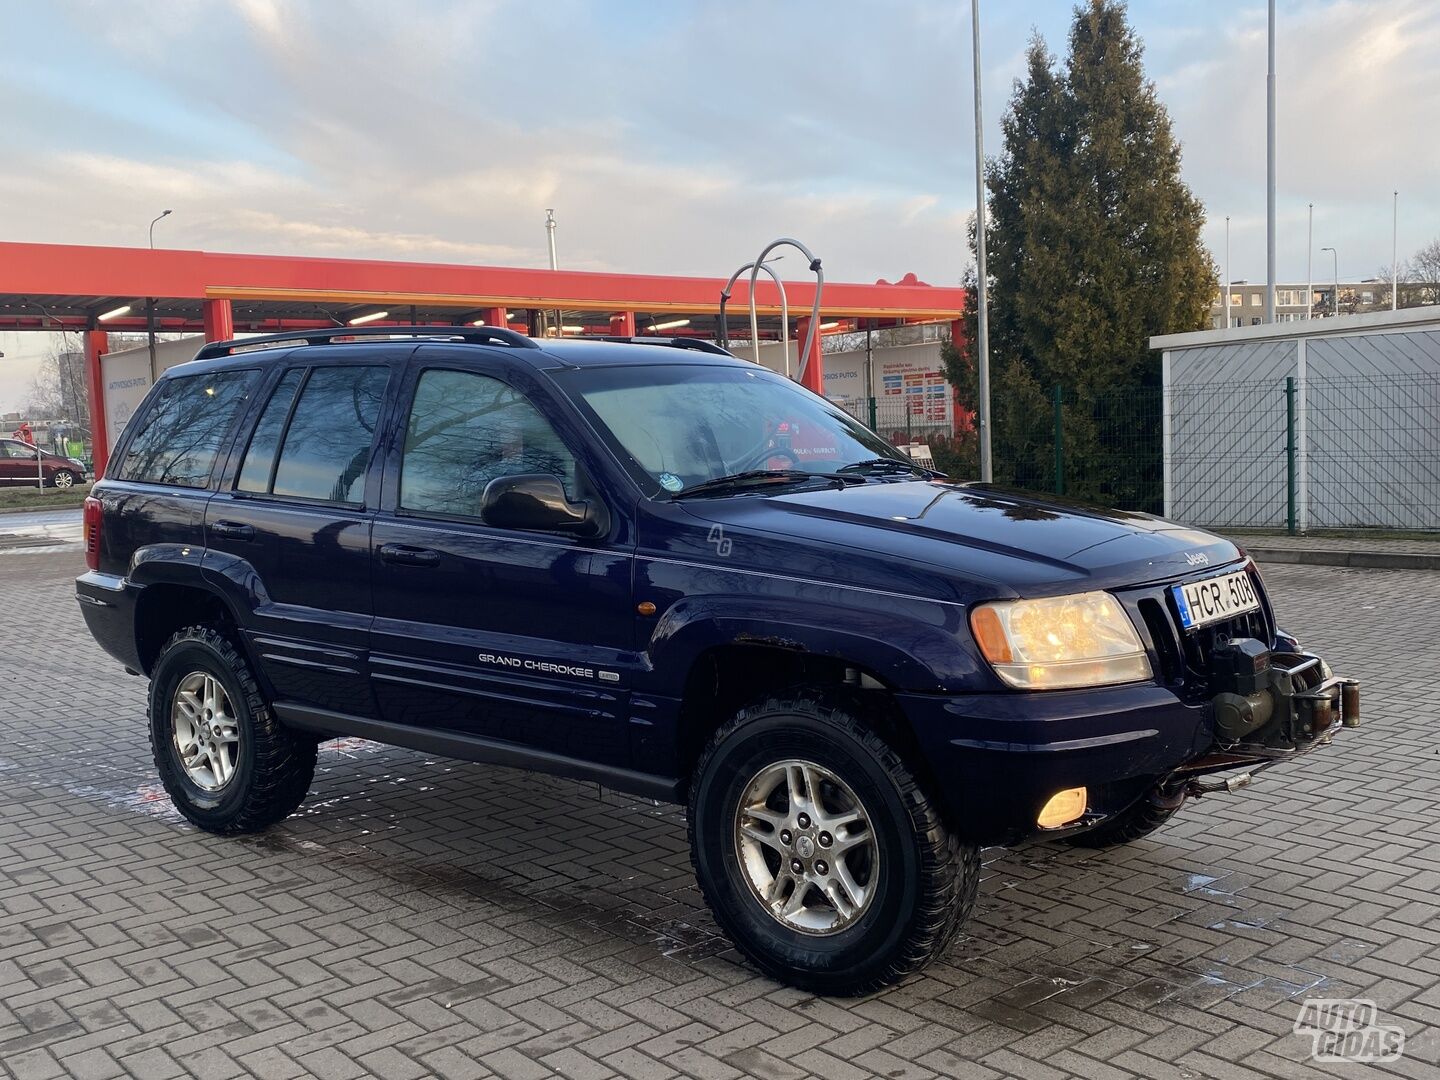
[[1270, 705]]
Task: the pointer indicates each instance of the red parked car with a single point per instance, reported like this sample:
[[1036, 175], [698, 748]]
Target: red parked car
[[17, 466]]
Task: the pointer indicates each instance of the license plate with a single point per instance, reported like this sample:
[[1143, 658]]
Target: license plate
[[1215, 599]]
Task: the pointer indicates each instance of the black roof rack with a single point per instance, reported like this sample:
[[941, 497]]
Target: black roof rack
[[479, 335], [697, 344]]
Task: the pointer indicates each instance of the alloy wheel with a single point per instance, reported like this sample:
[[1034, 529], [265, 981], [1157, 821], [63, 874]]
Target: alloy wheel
[[205, 730], [806, 847]]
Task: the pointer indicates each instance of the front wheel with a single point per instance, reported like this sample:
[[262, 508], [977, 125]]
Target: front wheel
[[226, 762], [819, 852]]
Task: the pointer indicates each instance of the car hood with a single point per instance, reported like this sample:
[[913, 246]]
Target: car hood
[[1030, 543]]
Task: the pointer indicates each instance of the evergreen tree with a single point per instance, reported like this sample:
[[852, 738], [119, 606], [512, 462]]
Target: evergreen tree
[[1094, 246]]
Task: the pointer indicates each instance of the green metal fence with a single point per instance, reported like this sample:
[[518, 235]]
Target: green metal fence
[[1284, 453], [1098, 447]]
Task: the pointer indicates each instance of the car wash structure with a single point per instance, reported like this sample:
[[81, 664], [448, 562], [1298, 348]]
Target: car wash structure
[[93, 291]]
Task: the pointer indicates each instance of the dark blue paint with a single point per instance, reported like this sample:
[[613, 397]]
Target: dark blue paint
[[880, 575]]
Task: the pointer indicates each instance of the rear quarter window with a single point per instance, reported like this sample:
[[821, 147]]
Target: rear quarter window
[[187, 422]]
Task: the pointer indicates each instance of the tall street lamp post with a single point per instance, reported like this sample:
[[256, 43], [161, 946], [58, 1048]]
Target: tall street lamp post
[[1270, 177], [162, 214], [982, 290], [1335, 255], [1309, 251], [1395, 253], [150, 302]]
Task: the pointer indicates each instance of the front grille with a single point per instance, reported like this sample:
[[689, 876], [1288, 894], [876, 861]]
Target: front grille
[[1198, 645], [1183, 657]]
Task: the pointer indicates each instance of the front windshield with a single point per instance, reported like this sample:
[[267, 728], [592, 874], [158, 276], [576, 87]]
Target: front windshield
[[685, 423]]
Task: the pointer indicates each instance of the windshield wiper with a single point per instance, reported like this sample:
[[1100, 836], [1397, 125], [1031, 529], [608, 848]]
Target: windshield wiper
[[760, 478], [889, 465]]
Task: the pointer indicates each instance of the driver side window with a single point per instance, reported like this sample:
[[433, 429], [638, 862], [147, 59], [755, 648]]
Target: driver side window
[[467, 429]]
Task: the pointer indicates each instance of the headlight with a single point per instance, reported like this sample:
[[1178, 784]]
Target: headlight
[[1060, 642]]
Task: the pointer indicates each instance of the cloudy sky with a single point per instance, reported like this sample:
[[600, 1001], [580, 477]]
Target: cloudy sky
[[670, 136]]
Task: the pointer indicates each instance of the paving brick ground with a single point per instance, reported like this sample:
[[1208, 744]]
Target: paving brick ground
[[425, 918]]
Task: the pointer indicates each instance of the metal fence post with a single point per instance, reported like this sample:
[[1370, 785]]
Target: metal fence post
[[1167, 438], [1302, 439], [1290, 454], [872, 413], [1059, 439]]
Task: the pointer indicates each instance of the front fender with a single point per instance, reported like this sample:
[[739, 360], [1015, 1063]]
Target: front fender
[[925, 651]]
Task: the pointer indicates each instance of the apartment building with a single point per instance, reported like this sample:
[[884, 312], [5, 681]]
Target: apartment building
[[1247, 301]]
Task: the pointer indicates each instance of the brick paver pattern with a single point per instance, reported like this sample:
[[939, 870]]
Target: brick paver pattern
[[421, 917]]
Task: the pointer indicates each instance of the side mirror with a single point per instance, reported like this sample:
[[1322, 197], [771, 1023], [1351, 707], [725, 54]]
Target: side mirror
[[536, 501]]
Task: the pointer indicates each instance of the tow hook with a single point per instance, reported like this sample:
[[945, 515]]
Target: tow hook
[[1232, 784], [1194, 789]]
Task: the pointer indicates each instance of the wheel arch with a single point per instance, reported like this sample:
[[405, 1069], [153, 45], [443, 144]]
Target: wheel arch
[[170, 604], [726, 677]]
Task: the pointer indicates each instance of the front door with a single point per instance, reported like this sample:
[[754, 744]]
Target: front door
[[503, 634]]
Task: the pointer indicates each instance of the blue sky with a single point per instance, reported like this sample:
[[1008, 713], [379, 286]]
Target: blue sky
[[670, 137]]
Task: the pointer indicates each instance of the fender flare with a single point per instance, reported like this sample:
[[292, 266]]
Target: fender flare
[[183, 565], [904, 654]]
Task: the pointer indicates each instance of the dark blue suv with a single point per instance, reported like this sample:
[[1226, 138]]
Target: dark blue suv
[[670, 571]]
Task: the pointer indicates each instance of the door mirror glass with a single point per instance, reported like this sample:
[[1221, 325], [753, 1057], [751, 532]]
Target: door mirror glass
[[535, 501]]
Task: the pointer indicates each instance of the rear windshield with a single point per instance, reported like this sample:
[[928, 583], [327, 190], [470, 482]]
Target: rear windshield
[[184, 426]]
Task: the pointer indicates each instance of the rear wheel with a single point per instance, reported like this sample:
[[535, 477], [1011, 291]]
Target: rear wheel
[[820, 854], [226, 762]]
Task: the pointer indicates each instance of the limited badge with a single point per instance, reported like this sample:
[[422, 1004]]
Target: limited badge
[[671, 482]]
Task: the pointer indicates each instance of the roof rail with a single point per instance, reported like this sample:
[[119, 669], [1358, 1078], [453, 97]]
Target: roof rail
[[696, 344], [479, 335]]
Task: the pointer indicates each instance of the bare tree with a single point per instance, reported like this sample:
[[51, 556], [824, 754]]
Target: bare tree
[[1425, 273], [58, 390]]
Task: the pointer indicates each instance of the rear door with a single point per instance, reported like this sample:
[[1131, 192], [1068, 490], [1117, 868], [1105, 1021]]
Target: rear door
[[505, 634], [288, 534]]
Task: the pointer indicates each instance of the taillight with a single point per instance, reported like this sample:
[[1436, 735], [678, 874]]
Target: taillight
[[94, 516]]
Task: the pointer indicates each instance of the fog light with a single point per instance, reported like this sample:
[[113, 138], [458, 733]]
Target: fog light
[[1064, 807]]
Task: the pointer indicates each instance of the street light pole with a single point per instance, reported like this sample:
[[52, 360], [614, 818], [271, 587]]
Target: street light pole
[[1270, 177], [554, 261], [1336, 256], [1395, 253], [982, 289], [163, 214], [1309, 251], [150, 303], [1227, 271]]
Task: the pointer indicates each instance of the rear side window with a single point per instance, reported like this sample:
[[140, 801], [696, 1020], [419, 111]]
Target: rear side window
[[326, 438], [260, 457], [182, 431]]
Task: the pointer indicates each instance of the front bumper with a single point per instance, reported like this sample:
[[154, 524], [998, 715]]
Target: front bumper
[[996, 759]]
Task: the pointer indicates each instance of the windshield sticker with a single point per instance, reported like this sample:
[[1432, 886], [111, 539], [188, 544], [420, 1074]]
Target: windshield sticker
[[671, 482]]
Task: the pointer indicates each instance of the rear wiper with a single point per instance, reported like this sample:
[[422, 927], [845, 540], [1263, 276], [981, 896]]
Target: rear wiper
[[886, 464], [760, 478]]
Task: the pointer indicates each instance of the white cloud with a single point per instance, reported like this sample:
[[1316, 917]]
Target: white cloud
[[680, 138]]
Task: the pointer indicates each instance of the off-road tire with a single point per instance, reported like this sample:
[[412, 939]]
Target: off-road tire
[[1139, 819], [927, 877], [274, 767]]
